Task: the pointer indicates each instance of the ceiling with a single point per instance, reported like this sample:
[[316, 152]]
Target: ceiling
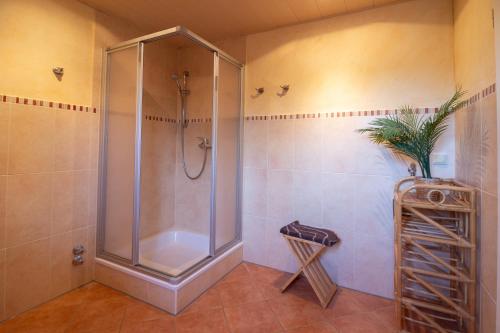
[[221, 19]]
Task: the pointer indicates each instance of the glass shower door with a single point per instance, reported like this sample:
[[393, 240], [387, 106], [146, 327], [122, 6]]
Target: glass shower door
[[228, 154], [177, 93], [118, 170]]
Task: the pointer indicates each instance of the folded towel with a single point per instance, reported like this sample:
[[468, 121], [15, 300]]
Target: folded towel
[[317, 235]]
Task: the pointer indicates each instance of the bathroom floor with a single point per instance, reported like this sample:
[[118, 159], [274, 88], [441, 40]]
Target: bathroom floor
[[246, 300]]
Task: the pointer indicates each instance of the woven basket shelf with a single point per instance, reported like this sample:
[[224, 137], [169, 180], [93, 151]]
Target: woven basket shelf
[[435, 252]]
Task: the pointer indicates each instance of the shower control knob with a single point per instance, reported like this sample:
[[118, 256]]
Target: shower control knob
[[204, 144], [78, 260], [78, 250]]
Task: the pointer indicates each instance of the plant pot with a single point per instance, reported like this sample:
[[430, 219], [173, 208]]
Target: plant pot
[[429, 194]]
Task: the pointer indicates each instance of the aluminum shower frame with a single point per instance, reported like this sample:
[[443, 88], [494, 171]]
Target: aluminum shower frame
[[214, 252]]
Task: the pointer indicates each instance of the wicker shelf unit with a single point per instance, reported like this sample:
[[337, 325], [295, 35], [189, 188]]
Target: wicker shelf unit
[[435, 256]]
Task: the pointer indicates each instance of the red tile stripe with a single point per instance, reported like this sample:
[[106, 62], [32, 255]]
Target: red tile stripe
[[370, 113], [48, 104], [174, 120]]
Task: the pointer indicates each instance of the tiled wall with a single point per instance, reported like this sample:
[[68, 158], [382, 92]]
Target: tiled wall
[[476, 137], [48, 150], [476, 142], [320, 171], [47, 199]]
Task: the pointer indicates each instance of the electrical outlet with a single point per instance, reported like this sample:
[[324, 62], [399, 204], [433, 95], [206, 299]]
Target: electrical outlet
[[439, 159]]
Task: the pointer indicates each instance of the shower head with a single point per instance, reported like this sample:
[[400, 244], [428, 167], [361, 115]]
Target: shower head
[[175, 77], [182, 86]]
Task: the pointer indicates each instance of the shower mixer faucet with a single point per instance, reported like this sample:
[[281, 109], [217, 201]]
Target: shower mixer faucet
[[204, 144]]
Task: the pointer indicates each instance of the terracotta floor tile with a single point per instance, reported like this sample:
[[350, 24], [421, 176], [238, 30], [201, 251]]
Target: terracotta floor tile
[[235, 293], [212, 321], [161, 325], [96, 291], [388, 316], [237, 304], [369, 302], [294, 311], [300, 286], [239, 274], [102, 315], [209, 300], [362, 322], [139, 311], [343, 303], [315, 328], [49, 317], [268, 291], [267, 275], [252, 317], [74, 297]]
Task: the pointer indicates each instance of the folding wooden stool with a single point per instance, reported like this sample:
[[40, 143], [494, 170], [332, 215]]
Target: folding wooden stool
[[307, 243]]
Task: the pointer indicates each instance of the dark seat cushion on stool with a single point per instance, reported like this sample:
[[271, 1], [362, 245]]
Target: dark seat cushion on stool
[[317, 235]]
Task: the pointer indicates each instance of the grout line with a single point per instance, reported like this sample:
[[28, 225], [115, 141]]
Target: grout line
[[48, 237], [9, 134], [226, 321]]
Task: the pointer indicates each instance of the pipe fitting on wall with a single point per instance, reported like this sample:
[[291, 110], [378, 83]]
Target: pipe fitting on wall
[[284, 90], [78, 251]]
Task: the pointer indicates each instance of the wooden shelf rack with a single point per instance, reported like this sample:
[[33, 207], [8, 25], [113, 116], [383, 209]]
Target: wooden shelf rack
[[435, 256]]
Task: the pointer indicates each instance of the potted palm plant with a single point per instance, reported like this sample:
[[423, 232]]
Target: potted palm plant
[[414, 135]]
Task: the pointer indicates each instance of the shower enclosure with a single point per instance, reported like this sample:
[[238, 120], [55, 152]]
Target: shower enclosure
[[169, 182]]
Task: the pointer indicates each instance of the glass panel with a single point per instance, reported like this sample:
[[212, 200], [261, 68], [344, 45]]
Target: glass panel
[[228, 125], [119, 179], [175, 209]]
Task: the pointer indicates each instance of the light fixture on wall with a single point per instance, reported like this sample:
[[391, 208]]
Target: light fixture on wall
[[284, 90]]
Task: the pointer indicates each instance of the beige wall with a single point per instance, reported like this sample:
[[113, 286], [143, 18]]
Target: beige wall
[[235, 47], [48, 155], [377, 59], [476, 138], [50, 34], [474, 46]]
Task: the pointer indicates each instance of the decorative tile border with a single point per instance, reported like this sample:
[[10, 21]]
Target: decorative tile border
[[371, 113], [176, 121], [48, 104], [488, 91]]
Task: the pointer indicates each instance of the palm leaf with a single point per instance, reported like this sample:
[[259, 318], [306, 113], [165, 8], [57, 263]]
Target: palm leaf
[[411, 134]]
